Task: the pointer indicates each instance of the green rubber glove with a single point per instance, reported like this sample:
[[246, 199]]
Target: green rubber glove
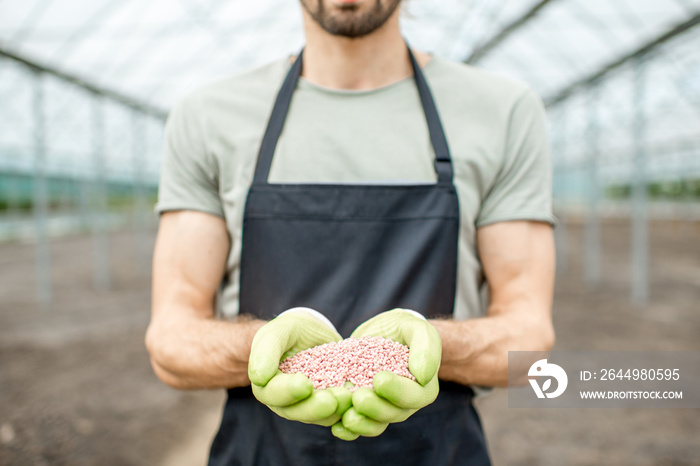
[[292, 396], [395, 398]]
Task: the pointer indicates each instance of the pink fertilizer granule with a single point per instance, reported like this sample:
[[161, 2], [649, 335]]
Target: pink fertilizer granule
[[356, 360]]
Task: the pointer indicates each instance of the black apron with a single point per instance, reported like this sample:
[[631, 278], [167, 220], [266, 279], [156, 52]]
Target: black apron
[[350, 251]]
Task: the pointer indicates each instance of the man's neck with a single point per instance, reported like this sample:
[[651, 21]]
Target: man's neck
[[375, 60]]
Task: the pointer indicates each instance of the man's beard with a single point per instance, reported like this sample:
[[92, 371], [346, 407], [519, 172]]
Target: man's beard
[[347, 22]]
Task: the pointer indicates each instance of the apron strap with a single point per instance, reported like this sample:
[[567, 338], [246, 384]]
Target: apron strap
[[276, 122], [443, 161]]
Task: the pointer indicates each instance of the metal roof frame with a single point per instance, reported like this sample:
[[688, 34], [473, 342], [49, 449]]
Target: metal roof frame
[[111, 94], [617, 63], [480, 51]]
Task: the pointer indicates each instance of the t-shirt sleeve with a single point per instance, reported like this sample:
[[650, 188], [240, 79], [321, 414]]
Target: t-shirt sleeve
[[522, 189], [189, 178]]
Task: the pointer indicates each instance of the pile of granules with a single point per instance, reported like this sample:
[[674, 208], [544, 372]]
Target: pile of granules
[[356, 360]]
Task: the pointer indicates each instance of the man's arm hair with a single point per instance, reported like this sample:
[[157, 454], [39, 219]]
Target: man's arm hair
[[189, 348], [518, 261]]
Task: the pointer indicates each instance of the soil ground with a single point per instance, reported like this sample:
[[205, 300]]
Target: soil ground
[[76, 386]]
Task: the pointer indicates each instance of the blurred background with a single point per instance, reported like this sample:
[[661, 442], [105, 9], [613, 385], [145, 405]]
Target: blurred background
[[85, 88]]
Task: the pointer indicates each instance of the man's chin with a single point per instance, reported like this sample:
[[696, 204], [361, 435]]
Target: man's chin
[[350, 18]]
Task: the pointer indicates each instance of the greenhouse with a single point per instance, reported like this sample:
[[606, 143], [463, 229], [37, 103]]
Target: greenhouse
[[86, 89]]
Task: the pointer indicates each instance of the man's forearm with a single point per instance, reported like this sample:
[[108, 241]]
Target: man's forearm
[[475, 351], [201, 353]]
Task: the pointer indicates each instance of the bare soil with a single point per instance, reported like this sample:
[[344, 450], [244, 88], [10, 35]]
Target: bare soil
[[76, 387], [602, 318]]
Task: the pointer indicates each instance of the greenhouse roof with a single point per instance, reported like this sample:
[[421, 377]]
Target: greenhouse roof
[[155, 51]]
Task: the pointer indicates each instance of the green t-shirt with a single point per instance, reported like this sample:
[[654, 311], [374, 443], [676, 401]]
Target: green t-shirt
[[495, 128]]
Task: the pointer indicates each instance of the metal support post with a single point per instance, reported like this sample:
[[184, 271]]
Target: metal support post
[[84, 202], [561, 234], [100, 240], [591, 249], [41, 195], [141, 253], [640, 223], [15, 196]]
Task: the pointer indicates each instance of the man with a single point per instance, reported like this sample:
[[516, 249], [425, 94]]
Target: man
[[390, 179]]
